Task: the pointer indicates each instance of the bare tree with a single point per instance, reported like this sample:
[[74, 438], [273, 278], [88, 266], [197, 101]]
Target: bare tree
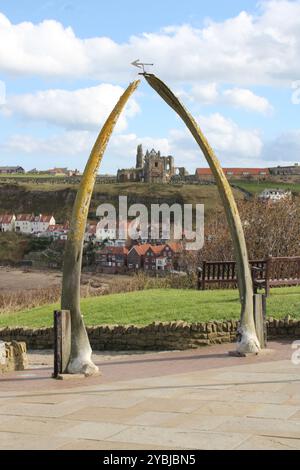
[[271, 229]]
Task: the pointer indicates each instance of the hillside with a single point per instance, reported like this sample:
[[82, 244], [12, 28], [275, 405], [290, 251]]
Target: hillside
[[59, 198], [13, 246]]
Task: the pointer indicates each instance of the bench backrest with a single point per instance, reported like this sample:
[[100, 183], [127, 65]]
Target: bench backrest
[[226, 270], [279, 268], [284, 268], [219, 270]]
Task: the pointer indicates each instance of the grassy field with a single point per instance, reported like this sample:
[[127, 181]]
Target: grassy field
[[30, 176], [144, 307]]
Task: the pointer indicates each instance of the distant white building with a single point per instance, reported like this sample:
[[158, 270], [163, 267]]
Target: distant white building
[[57, 232], [42, 222], [274, 195], [31, 224], [7, 222], [23, 223]]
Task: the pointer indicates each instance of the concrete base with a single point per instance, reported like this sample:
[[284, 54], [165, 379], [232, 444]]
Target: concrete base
[[74, 376], [262, 352]]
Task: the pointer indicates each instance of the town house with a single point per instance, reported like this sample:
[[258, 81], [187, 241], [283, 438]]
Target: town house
[[152, 254], [136, 255], [112, 259], [23, 223], [41, 223], [57, 231], [7, 222], [29, 223]]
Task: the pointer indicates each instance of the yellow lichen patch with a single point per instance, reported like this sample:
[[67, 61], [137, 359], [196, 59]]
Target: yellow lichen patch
[[84, 194]]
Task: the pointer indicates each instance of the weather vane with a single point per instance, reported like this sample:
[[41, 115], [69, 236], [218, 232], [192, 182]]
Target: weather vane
[[140, 65]]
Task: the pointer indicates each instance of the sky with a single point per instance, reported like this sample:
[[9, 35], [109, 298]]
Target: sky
[[64, 64]]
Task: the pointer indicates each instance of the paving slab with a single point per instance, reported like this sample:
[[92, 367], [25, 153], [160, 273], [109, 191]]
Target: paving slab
[[200, 399]]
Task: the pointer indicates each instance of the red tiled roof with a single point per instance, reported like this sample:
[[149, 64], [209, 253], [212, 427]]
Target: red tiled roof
[[234, 171], [56, 228], [141, 249], [45, 218], [157, 249], [175, 246], [24, 218], [115, 250], [6, 218]]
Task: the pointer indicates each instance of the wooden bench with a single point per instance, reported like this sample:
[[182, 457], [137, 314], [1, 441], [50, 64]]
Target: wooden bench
[[277, 272], [271, 272], [222, 274]]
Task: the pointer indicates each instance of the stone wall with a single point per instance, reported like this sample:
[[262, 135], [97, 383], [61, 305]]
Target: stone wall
[[12, 356], [157, 336]]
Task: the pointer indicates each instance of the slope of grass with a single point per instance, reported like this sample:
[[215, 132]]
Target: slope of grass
[[144, 307]]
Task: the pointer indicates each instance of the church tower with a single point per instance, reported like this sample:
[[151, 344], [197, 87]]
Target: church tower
[[139, 157]]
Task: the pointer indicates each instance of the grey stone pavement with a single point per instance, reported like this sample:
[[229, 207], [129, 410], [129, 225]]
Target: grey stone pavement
[[200, 399]]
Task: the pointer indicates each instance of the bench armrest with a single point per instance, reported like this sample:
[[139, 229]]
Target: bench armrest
[[257, 268]]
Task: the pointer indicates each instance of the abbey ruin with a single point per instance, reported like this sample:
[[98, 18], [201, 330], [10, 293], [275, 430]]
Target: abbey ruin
[[150, 168]]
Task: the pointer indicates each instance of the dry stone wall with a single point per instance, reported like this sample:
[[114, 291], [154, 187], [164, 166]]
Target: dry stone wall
[[156, 336], [12, 356]]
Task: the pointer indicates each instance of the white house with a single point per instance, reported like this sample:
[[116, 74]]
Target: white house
[[23, 223], [57, 232], [29, 223], [161, 263], [7, 222], [42, 222], [275, 195]]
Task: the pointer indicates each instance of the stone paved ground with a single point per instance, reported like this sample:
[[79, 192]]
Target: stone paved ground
[[201, 399]]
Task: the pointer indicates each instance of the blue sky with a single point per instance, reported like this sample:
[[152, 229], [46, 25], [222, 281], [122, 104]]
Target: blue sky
[[64, 64]]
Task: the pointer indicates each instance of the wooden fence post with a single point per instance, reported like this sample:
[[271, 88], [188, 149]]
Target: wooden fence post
[[259, 311], [62, 341]]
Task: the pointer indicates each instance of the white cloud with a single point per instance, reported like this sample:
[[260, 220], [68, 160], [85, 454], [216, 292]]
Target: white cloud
[[86, 108], [210, 93], [246, 99], [284, 149], [260, 48], [231, 143], [70, 143], [205, 93]]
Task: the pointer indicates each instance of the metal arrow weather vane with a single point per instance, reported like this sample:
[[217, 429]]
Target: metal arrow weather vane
[[140, 65]]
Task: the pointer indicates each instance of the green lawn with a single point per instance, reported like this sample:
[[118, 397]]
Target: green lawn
[[144, 307]]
